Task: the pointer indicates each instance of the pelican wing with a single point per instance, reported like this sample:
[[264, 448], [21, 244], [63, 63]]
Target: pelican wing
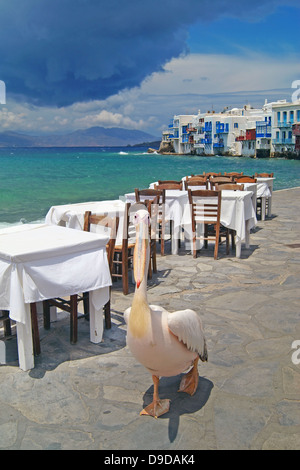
[[187, 326]]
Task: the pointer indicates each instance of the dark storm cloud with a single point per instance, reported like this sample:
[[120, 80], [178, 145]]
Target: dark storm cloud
[[57, 52]]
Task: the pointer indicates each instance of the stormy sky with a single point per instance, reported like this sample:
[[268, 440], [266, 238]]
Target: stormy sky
[[71, 64]]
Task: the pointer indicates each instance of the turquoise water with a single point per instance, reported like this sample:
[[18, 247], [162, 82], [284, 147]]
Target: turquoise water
[[32, 180]]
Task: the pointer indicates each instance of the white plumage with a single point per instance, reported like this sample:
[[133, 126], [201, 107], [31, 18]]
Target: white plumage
[[167, 344]]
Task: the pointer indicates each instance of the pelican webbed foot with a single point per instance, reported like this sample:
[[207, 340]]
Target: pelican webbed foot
[[189, 381], [156, 408]]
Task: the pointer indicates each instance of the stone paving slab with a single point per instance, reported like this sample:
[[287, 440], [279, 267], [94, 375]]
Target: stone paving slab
[[89, 396]]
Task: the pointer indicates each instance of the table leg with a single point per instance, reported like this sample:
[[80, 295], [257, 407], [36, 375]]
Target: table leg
[[25, 344], [238, 247], [96, 322], [263, 208], [175, 239]]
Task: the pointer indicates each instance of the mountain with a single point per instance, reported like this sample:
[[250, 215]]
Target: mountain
[[92, 137]]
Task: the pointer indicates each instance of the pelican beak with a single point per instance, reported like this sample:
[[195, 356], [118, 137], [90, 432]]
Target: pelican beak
[[140, 253]]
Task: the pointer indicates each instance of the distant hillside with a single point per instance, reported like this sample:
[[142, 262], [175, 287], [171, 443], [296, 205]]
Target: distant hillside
[[92, 137]]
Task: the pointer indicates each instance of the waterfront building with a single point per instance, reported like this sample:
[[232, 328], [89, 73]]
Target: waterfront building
[[264, 132], [285, 127]]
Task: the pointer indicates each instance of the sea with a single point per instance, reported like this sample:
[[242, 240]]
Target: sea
[[34, 179]]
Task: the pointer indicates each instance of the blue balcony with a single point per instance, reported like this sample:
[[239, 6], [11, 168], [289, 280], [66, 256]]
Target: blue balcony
[[284, 124], [222, 128], [218, 145], [283, 141], [264, 129]]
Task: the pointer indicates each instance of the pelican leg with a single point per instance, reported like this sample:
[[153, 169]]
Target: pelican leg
[[189, 382], [157, 407]]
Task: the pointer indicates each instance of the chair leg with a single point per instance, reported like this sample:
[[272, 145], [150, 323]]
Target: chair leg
[[162, 239], [46, 314], [73, 319], [6, 322], [35, 330], [217, 244], [227, 242], [154, 265], [86, 305], [194, 248], [107, 315], [125, 273]]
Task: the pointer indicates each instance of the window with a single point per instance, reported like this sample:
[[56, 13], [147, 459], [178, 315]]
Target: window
[[236, 125], [278, 116], [284, 116], [298, 115], [291, 117]]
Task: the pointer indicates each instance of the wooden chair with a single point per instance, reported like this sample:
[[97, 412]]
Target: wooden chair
[[71, 305], [153, 209], [123, 259], [151, 194], [232, 186], [168, 182], [259, 205], [233, 173], [244, 179], [4, 318], [213, 180], [207, 213], [177, 185], [194, 183], [263, 175], [211, 173], [113, 224]]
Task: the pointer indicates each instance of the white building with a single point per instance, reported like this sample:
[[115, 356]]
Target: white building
[[214, 133], [274, 128], [285, 117]]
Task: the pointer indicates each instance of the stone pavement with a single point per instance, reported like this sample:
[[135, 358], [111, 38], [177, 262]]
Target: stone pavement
[[89, 396]]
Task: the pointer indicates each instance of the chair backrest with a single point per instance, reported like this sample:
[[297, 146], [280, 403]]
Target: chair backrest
[[149, 194], [263, 175], [232, 186], [177, 185], [196, 183], [108, 222], [245, 179], [205, 207], [153, 208], [197, 177], [213, 180], [168, 182], [211, 173], [233, 173]]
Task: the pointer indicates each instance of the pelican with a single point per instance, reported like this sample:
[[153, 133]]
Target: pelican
[[165, 343]]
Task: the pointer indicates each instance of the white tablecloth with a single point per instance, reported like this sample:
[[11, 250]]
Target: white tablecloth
[[72, 215], [237, 213], [176, 209], [39, 262]]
